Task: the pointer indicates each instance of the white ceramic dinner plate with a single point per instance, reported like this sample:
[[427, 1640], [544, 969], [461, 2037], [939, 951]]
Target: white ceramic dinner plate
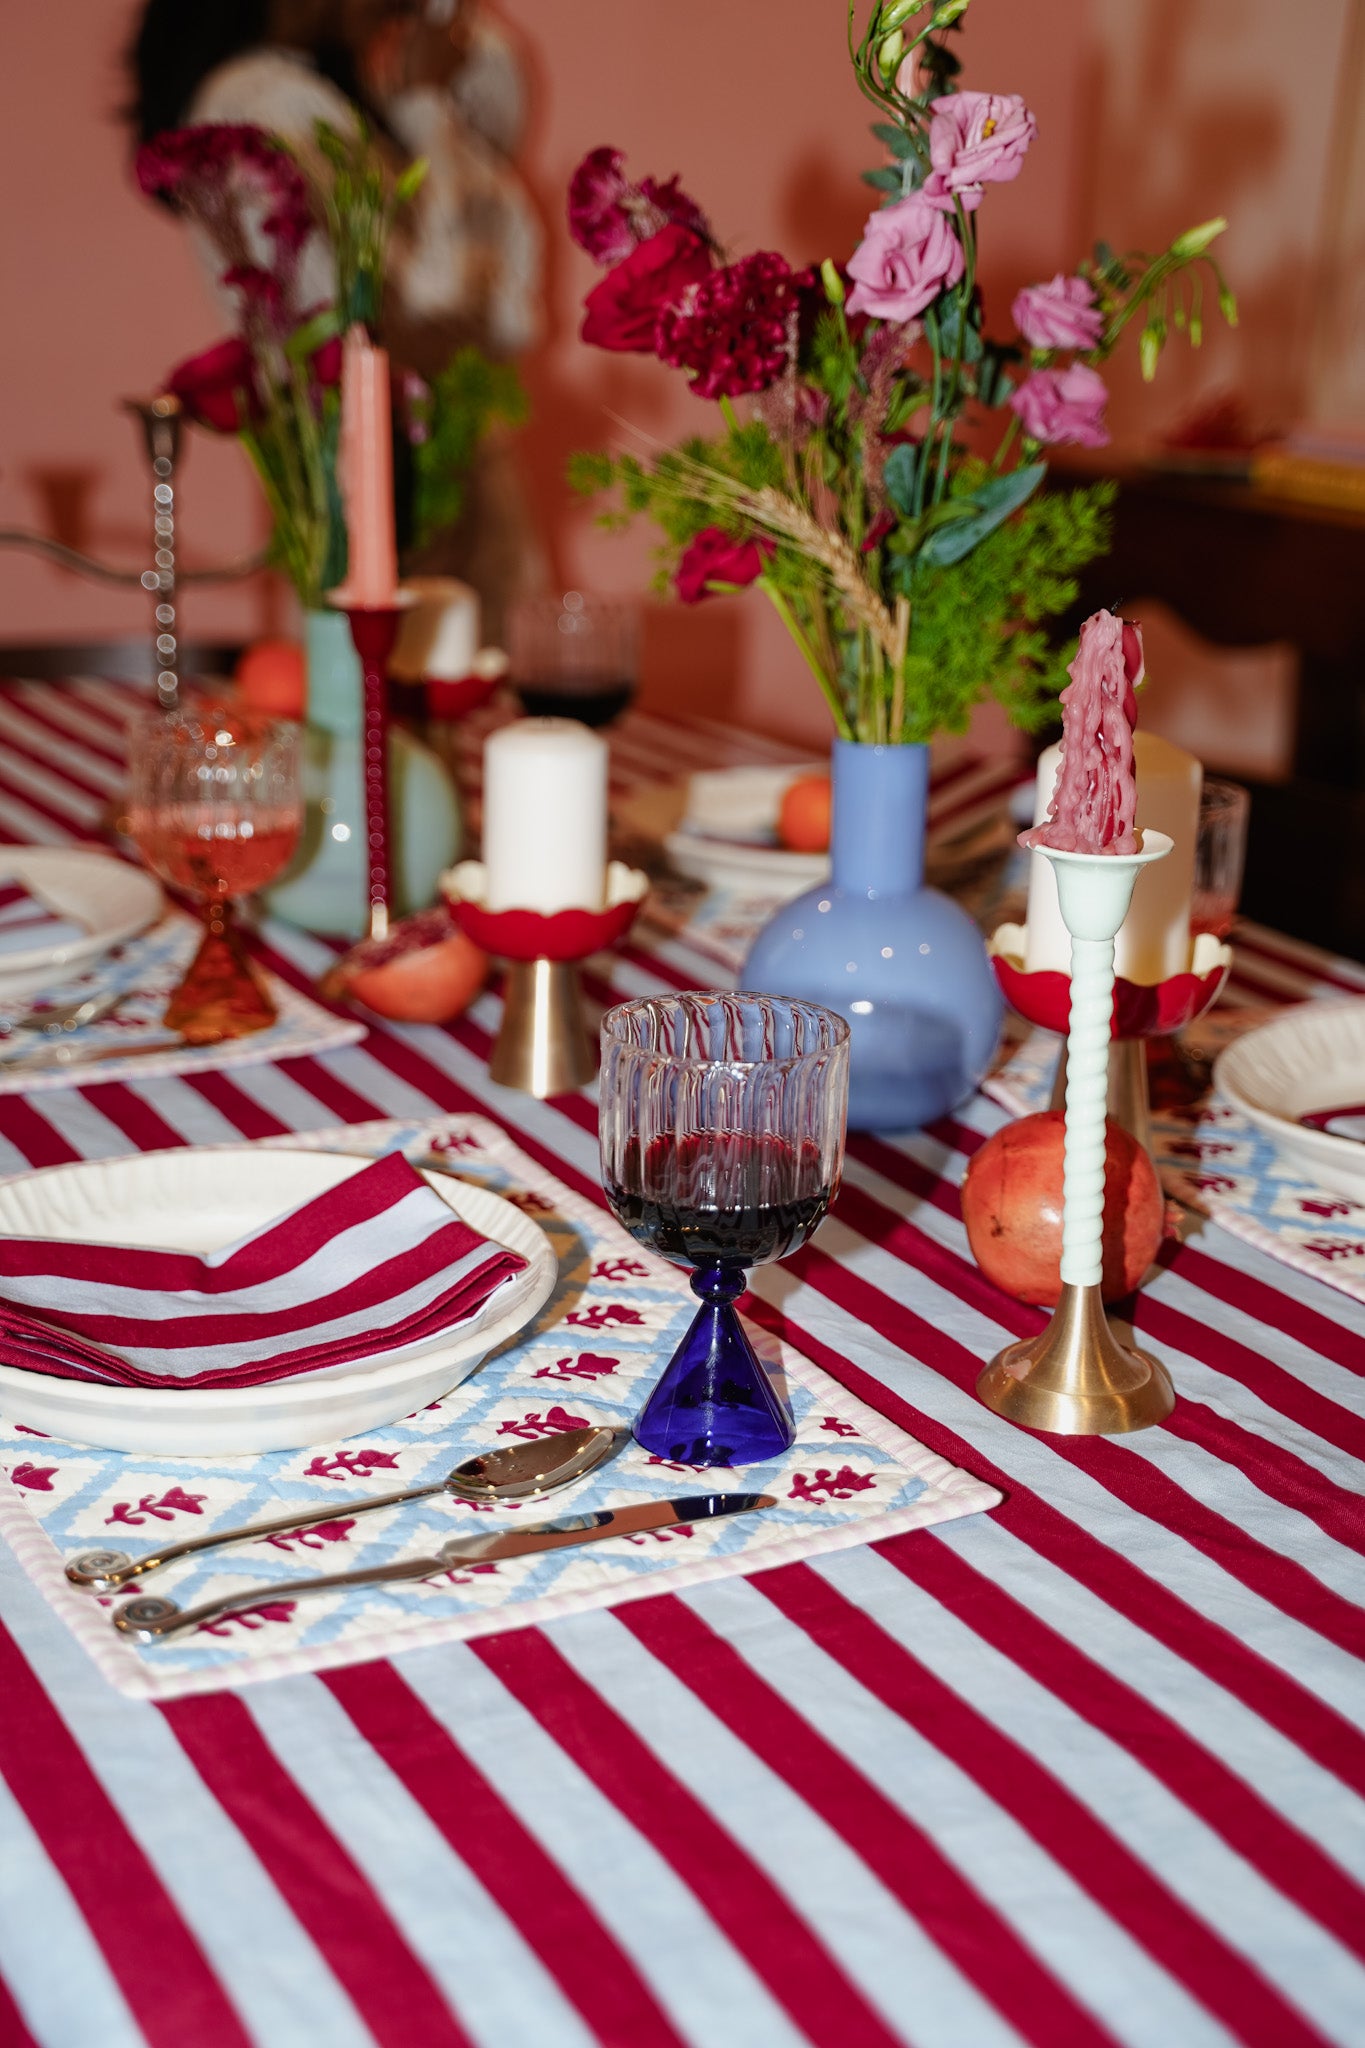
[[198, 1200], [112, 900], [1309, 1060]]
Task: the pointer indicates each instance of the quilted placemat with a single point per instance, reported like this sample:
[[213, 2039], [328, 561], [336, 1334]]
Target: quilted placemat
[[145, 971], [591, 1356], [1217, 1162]]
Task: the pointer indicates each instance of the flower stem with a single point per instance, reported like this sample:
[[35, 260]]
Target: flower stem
[[828, 691]]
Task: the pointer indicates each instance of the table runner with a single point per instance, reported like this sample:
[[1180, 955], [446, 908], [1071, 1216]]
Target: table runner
[[1087, 1769], [148, 967]]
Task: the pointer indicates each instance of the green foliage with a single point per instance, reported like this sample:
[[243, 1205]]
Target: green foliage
[[978, 622], [463, 403], [361, 204]]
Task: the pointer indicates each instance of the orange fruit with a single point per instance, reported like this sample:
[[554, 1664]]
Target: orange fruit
[[271, 676], [804, 819]]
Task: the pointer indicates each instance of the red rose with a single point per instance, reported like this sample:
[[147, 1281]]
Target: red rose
[[325, 362], [715, 557], [211, 386], [622, 312]]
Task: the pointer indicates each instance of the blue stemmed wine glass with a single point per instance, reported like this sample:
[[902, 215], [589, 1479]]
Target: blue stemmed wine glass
[[722, 1126]]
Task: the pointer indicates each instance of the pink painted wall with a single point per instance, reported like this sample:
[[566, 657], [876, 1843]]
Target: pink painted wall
[[754, 105]]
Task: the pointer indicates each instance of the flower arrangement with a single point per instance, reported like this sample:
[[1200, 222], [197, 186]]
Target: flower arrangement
[[883, 489], [275, 382]]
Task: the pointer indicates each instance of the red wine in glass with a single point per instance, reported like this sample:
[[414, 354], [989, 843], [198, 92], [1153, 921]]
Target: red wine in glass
[[724, 1200], [591, 698]]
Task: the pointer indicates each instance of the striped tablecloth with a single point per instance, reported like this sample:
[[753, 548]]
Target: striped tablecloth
[[1088, 1769]]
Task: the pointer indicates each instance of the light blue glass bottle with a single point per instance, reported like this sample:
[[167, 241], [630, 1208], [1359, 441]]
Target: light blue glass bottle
[[324, 887], [904, 964]]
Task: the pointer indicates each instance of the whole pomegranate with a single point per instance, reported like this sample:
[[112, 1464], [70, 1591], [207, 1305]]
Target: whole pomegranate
[[1012, 1207]]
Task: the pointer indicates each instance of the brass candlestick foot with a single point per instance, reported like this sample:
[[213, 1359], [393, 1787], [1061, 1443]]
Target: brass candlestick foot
[[543, 1045], [1075, 1378]]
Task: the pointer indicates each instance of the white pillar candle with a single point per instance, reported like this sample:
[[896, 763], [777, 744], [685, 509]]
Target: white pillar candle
[[1154, 940], [545, 816], [438, 639]]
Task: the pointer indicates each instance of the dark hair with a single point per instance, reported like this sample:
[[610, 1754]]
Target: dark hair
[[177, 44]]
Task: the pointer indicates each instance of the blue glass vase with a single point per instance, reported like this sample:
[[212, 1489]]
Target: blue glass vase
[[324, 889], [903, 963]]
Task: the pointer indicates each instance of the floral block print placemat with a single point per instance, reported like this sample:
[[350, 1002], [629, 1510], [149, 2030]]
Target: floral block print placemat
[[1219, 1163], [144, 972], [591, 1356]]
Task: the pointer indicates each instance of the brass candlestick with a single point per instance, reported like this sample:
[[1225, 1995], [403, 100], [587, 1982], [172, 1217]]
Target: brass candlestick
[[1076, 1378]]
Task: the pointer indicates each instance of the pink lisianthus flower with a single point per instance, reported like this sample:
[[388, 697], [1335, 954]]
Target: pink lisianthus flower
[[908, 255], [735, 331], [1062, 314], [1056, 406], [975, 139], [715, 557], [608, 216], [623, 309]]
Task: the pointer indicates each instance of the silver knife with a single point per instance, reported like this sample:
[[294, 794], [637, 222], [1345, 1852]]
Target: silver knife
[[149, 1619], [49, 1059]]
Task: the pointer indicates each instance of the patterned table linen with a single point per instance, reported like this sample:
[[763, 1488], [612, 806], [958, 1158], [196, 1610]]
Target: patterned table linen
[[149, 967], [591, 1356], [1085, 1770]]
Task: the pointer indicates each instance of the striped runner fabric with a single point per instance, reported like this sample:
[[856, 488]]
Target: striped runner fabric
[[377, 1264], [1086, 1770]]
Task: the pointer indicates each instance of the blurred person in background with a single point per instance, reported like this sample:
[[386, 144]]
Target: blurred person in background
[[431, 78]]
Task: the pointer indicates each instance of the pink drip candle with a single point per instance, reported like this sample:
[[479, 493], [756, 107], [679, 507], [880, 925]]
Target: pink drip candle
[[367, 473], [1095, 801]]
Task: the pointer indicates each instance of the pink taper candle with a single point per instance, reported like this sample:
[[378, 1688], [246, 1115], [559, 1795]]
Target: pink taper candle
[[1095, 801], [367, 472]]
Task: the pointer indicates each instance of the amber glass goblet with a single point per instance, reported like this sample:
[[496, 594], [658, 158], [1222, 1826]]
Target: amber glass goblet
[[215, 810]]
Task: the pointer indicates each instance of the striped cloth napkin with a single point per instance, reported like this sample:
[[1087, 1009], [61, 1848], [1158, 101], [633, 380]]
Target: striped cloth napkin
[[377, 1264], [26, 922]]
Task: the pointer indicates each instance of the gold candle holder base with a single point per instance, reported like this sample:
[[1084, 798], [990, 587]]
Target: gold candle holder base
[[1075, 1378], [543, 1046]]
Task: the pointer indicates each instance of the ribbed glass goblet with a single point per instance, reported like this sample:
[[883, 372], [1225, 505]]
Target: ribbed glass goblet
[[722, 1127]]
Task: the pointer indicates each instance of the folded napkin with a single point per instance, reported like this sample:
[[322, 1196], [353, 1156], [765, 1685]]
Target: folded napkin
[[26, 922], [377, 1264]]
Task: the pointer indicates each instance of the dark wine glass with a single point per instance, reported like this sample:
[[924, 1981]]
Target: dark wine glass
[[575, 656], [722, 1126]]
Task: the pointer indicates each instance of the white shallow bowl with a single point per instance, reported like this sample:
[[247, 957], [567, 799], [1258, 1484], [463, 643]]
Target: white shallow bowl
[[113, 901], [199, 1200], [735, 864], [1311, 1059]]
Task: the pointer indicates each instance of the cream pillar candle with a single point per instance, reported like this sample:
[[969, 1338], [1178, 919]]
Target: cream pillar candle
[[1154, 940], [438, 639], [545, 816], [367, 473]]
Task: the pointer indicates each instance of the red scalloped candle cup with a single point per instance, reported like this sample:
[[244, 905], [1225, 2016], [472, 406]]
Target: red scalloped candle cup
[[534, 935], [1141, 1010], [457, 697], [1012, 1209]]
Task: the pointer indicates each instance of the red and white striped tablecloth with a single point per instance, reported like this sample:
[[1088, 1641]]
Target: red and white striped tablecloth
[[1089, 1769]]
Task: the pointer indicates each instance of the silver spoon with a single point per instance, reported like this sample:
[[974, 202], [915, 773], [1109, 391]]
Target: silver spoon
[[71, 1016], [512, 1472]]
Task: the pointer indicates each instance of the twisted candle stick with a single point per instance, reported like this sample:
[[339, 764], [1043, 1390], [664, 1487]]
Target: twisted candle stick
[[1087, 1089]]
